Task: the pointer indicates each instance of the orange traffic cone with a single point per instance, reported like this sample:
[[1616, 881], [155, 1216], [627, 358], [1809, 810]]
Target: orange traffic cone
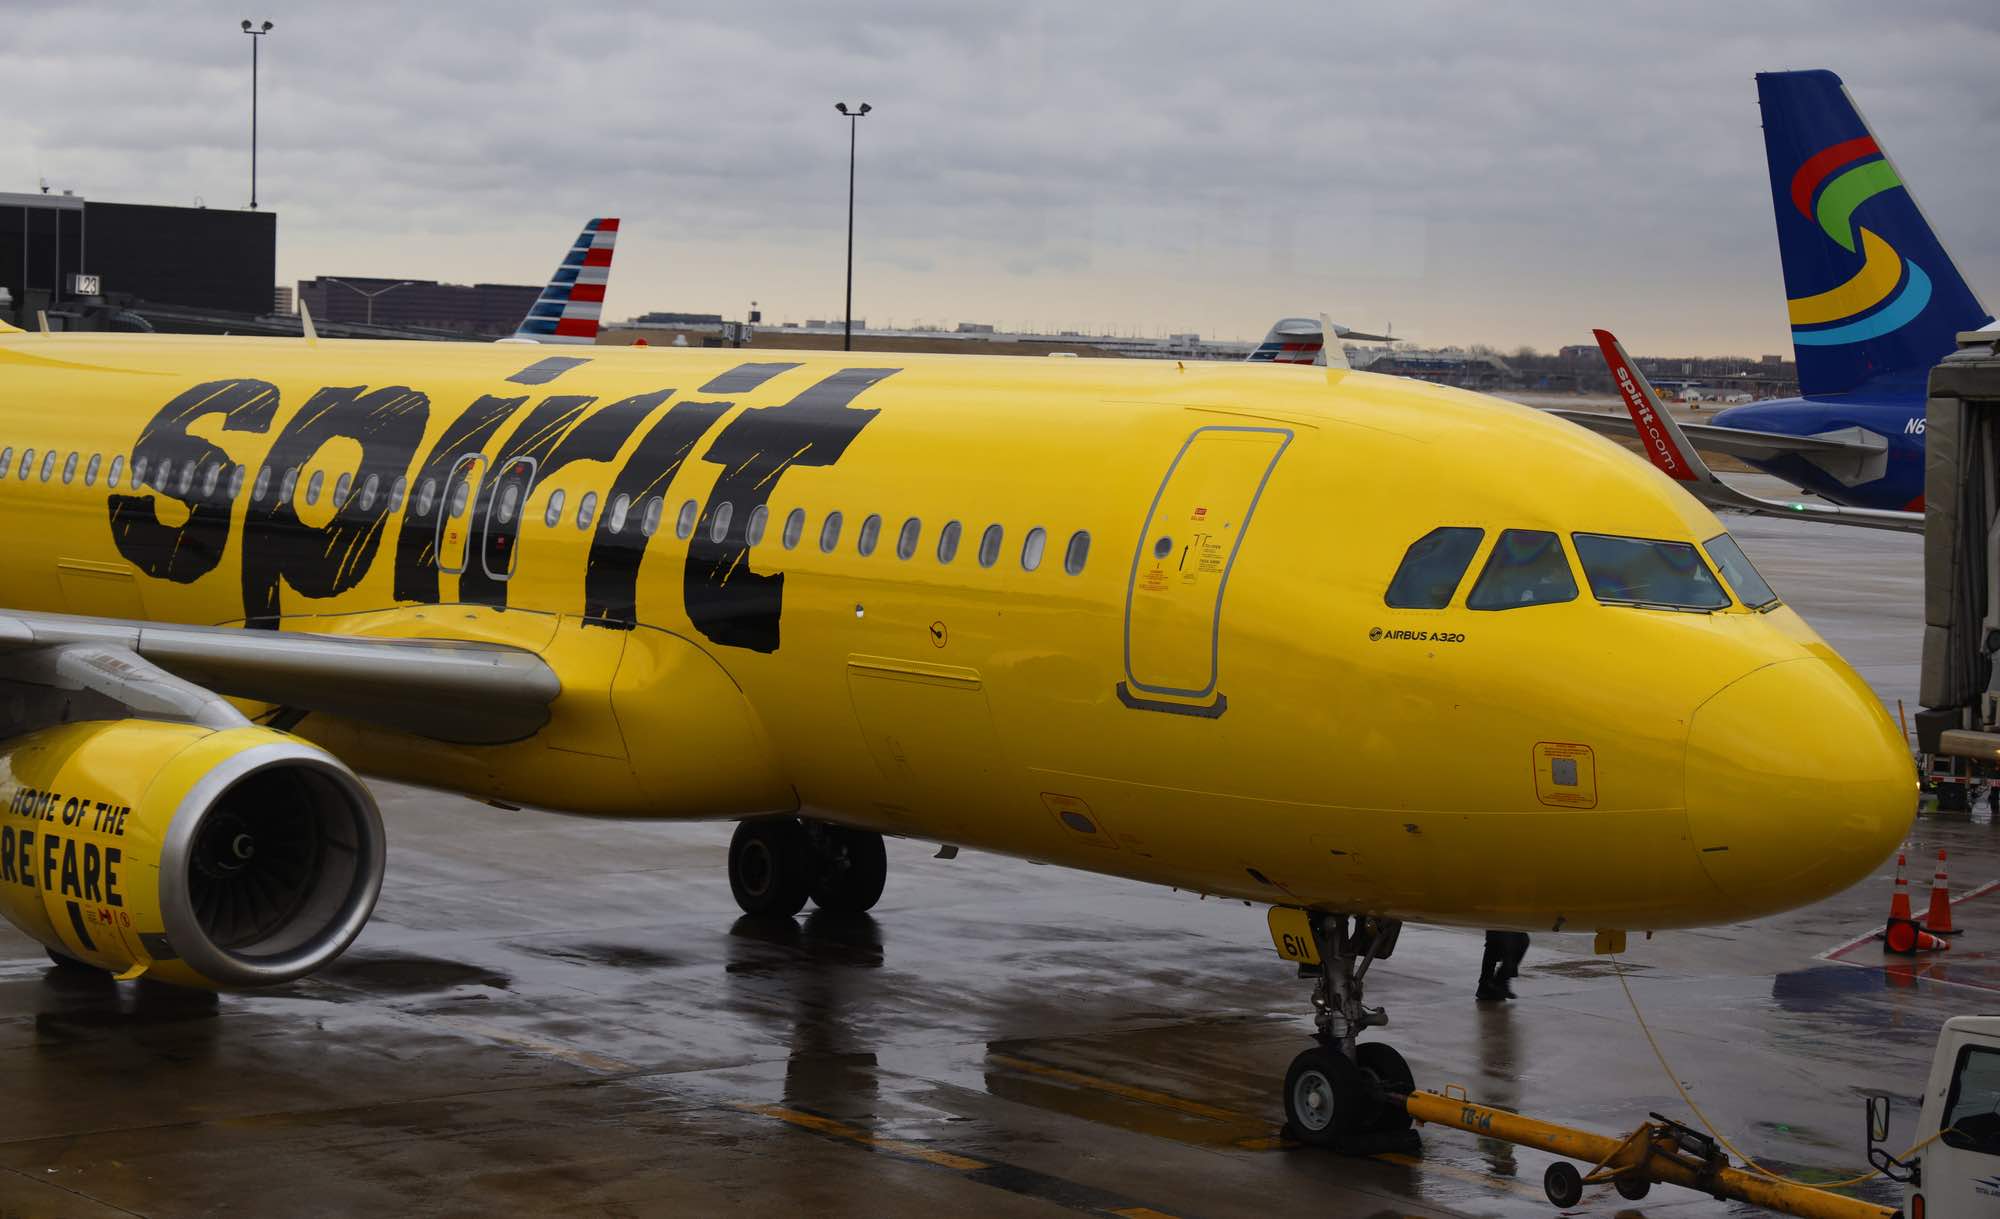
[[1938, 920], [1905, 938], [1899, 905], [1902, 936]]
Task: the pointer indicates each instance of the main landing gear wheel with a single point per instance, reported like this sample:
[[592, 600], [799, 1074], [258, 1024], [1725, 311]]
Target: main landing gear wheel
[[776, 863], [851, 867], [1340, 1093], [770, 866]]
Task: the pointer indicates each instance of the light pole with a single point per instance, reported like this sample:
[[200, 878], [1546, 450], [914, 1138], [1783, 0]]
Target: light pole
[[256, 36], [853, 123], [368, 296]]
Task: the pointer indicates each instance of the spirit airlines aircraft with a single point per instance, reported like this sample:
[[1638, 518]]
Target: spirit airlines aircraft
[[1874, 301], [1188, 625]]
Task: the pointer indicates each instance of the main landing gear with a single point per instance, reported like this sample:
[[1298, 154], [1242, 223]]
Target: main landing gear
[[776, 863], [1340, 1093]]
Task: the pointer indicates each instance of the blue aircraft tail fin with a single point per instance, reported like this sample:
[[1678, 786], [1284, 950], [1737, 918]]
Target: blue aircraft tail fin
[[1869, 287]]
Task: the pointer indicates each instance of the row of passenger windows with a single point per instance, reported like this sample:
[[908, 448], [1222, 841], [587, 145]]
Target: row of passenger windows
[[1529, 567], [224, 481]]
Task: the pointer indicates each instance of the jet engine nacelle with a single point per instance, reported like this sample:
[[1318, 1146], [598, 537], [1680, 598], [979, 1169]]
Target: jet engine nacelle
[[233, 858]]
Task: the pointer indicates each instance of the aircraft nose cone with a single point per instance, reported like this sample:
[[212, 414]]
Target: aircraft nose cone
[[1798, 785]]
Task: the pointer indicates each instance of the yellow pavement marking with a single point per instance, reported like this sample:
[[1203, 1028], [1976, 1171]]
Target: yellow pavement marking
[[1146, 1095], [826, 1125]]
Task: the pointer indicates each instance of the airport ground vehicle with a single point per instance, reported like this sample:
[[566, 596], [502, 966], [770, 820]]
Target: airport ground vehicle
[[1956, 1167]]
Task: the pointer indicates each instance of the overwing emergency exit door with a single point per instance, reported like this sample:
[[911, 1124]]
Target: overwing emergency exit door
[[1173, 605], [454, 512]]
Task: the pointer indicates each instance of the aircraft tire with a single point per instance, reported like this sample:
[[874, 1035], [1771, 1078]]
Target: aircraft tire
[[770, 866], [1326, 1097], [854, 867], [1392, 1076]]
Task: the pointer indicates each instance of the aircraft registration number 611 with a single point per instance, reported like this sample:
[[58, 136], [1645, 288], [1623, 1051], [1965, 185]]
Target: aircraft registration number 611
[[1291, 934]]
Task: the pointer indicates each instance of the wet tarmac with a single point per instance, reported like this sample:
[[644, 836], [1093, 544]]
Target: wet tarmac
[[558, 1017]]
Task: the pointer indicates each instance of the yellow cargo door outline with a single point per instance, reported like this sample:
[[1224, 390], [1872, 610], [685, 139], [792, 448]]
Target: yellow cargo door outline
[[1169, 617]]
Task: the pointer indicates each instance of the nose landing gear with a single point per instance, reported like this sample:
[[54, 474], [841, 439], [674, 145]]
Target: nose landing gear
[[1340, 1093]]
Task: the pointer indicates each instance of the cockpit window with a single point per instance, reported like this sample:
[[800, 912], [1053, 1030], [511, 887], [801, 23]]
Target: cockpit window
[[1527, 567], [1432, 568], [1735, 567], [1642, 571]]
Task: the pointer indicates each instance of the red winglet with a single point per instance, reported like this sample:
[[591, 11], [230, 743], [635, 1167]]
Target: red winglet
[[1657, 440]]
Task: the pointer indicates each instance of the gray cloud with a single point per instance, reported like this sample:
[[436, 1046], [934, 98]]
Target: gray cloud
[[1499, 173]]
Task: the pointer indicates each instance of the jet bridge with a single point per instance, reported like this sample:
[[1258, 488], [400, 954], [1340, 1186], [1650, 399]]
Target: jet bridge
[[1958, 732]]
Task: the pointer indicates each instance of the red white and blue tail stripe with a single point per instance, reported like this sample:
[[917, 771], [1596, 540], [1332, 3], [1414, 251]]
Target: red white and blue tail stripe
[[1293, 340], [569, 307]]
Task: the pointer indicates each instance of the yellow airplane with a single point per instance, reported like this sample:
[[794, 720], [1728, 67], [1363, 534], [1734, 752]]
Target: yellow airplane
[[1361, 649]]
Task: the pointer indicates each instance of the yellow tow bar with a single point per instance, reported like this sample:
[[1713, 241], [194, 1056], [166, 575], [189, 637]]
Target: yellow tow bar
[[1660, 1150]]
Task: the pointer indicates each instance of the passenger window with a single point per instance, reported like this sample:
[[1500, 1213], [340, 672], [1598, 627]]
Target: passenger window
[[163, 476], [656, 508], [554, 514], [1077, 554], [90, 470], [236, 483], [318, 480], [1032, 547], [989, 545], [1432, 568], [871, 532], [510, 499], [907, 539], [69, 469], [461, 491], [6, 461], [586, 508], [795, 528], [48, 465], [117, 470], [27, 463], [753, 528], [369, 489], [948, 541], [1972, 1106], [829, 533], [345, 486], [1527, 567], [684, 526], [138, 473], [619, 507], [1642, 571], [426, 494], [396, 493], [187, 480], [211, 480], [718, 523], [257, 488], [1736, 568]]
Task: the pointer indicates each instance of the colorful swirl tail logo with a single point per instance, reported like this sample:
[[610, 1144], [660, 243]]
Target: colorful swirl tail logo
[[1827, 189]]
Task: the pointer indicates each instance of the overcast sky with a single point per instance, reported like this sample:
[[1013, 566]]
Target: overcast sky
[[1500, 173]]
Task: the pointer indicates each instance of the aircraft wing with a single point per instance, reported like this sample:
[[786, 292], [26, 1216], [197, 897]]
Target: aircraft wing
[[462, 692], [1737, 442], [1666, 445]]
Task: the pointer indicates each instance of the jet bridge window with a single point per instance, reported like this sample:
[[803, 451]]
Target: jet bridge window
[[1527, 567], [1432, 568], [1642, 571], [1736, 570]]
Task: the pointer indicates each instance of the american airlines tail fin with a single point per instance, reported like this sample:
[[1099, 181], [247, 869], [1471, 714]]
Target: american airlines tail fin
[[1667, 447], [1293, 340], [570, 306], [1869, 287]]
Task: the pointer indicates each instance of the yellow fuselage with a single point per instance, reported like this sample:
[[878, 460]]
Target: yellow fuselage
[[1236, 711]]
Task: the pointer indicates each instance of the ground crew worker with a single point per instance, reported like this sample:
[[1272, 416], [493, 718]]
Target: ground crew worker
[[1501, 964]]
